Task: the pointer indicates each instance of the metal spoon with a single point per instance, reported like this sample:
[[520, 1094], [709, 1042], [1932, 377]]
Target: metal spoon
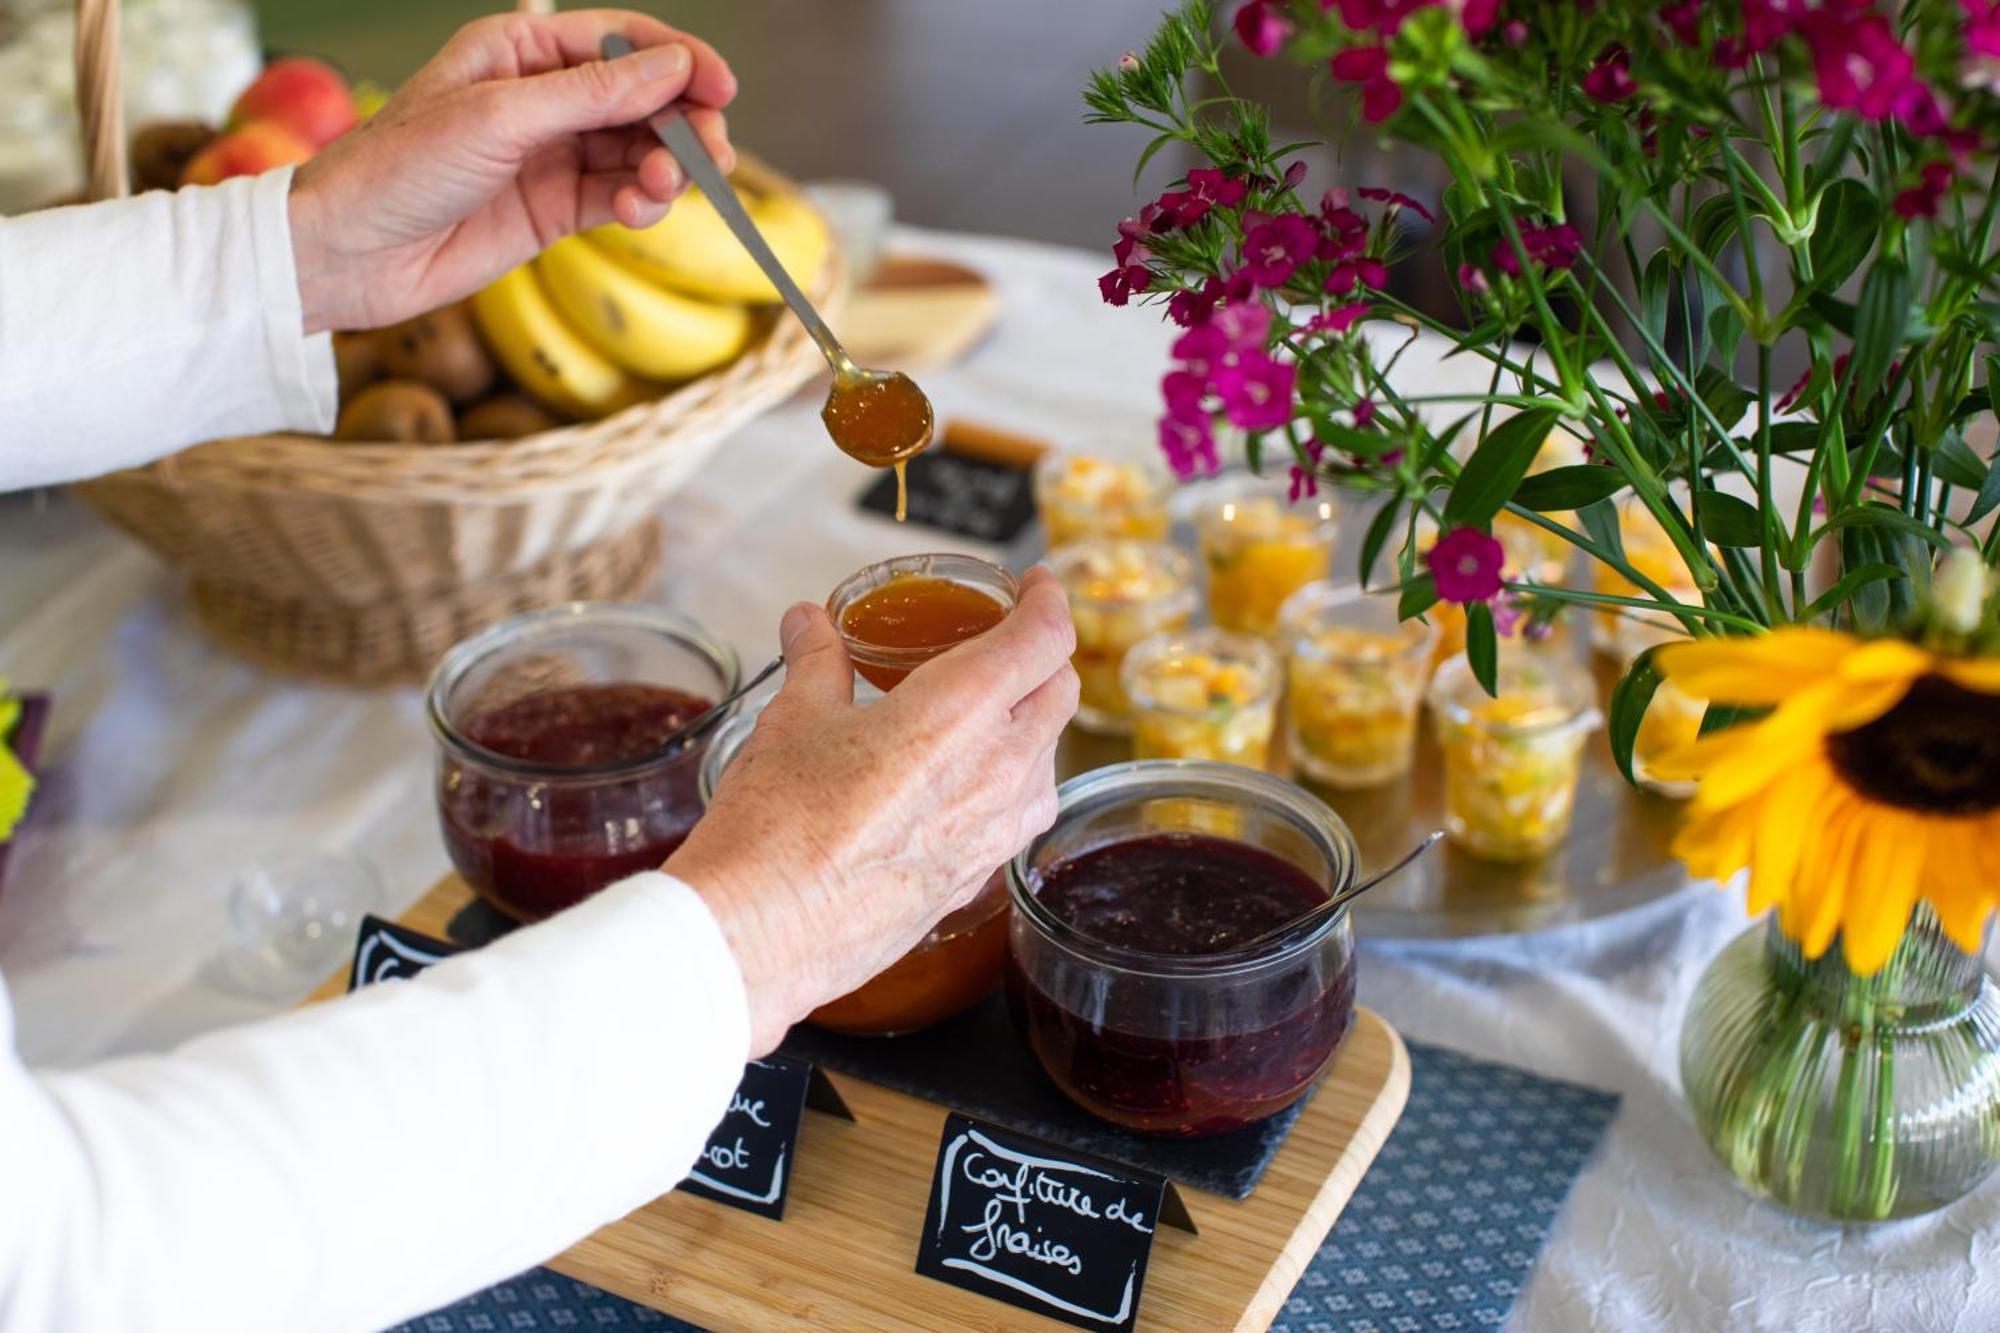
[[706, 721], [678, 135], [1319, 912]]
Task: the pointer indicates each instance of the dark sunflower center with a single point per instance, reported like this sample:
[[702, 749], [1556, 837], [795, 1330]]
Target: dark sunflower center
[[1937, 751]]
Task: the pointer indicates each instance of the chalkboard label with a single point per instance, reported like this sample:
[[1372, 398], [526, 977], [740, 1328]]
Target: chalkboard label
[[957, 493], [747, 1163], [1039, 1226], [385, 951]]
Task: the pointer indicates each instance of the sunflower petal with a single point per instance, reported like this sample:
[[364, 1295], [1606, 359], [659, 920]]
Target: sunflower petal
[[1886, 659], [1974, 673], [1790, 736], [1785, 822], [1760, 670], [1811, 911], [1962, 902], [1888, 857], [1716, 844]]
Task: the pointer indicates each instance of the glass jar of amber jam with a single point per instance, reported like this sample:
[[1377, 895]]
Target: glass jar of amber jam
[[1120, 592], [1259, 548], [899, 614], [1127, 971], [947, 972], [1355, 675], [553, 777], [1082, 495]]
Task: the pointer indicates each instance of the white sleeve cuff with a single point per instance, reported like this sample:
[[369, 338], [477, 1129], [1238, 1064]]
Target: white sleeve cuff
[[301, 366]]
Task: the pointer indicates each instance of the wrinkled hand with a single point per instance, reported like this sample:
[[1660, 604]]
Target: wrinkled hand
[[515, 135], [842, 833]]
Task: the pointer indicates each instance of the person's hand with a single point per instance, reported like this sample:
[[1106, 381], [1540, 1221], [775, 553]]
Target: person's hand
[[515, 135], [842, 833]]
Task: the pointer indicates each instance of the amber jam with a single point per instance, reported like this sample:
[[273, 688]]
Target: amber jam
[[533, 845], [1133, 968], [897, 615], [881, 420]]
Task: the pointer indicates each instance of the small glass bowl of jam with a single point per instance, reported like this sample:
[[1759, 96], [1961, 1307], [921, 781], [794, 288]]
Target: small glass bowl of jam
[[1120, 592], [947, 972], [553, 778], [899, 614], [1259, 548], [1127, 970], [1355, 676], [1512, 759], [1206, 694], [1084, 495]]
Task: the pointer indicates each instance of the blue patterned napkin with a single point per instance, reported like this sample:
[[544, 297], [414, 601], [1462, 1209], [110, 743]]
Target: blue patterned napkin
[[1440, 1235]]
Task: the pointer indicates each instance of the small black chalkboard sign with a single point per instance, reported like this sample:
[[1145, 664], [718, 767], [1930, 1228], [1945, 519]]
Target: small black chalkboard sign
[[747, 1163], [955, 492], [385, 951], [1041, 1227]]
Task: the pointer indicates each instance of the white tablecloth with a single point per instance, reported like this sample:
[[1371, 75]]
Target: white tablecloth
[[174, 766]]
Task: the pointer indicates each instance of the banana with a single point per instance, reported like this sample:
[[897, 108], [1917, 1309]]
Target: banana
[[644, 327], [692, 249], [546, 357]]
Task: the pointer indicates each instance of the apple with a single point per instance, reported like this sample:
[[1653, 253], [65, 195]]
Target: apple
[[250, 151], [306, 96]]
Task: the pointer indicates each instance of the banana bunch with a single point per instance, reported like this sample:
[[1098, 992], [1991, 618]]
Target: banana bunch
[[606, 319]]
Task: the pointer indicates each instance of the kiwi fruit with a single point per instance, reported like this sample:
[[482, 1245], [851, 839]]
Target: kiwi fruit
[[396, 412], [505, 416], [162, 150], [441, 349], [357, 359]]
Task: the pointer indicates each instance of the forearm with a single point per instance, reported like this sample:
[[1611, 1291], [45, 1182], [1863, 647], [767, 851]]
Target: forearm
[[362, 1161], [131, 329]]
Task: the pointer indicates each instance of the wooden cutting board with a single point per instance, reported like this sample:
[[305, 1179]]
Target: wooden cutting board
[[844, 1257]]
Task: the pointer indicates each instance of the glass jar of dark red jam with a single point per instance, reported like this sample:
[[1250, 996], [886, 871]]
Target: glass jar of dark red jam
[[554, 776], [1128, 971], [948, 971]]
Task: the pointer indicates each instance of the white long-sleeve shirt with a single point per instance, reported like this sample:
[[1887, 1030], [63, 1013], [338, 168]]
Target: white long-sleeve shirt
[[362, 1161]]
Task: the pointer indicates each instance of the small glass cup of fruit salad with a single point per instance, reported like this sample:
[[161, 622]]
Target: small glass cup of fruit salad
[[1673, 717], [1355, 676], [1206, 694], [1150, 968], [1651, 553], [1084, 495], [1120, 591], [555, 776], [1512, 759], [899, 614], [1259, 548]]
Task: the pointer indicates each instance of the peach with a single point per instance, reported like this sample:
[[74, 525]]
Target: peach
[[306, 96], [256, 148]]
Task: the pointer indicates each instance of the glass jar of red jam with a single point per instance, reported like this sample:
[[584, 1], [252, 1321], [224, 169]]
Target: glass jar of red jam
[[951, 969], [1132, 970], [897, 615], [554, 776]]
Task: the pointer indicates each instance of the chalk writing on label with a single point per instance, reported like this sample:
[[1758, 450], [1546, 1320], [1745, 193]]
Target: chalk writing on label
[[745, 1161]]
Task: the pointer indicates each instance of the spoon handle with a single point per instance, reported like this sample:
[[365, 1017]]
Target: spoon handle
[[678, 135]]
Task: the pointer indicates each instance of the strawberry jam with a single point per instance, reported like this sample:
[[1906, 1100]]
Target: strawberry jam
[[1152, 1034], [589, 798]]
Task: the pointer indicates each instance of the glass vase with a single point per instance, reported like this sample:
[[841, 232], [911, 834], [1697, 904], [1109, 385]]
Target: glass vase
[[1851, 1098]]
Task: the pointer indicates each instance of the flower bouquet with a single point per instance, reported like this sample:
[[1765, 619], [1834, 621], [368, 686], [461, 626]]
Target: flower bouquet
[[1741, 369]]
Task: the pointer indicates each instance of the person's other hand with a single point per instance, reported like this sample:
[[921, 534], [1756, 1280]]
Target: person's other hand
[[515, 135], [842, 832]]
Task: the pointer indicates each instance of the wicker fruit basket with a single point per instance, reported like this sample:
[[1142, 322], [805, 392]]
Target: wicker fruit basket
[[362, 563]]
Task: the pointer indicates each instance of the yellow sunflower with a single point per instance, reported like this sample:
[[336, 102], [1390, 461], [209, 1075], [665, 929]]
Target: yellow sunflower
[[1873, 781]]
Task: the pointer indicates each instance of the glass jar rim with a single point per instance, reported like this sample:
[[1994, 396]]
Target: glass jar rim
[[1250, 648], [985, 575], [682, 630], [1167, 779], [1209, 497], [1323, 595], [1053, 462], [1577, 698], [1178, 565]]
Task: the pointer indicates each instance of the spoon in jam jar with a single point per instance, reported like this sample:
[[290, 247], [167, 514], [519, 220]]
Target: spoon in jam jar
[[879, 417], [1320, 911]]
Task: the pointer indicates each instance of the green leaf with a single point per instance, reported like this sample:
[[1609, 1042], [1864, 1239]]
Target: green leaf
[[1482, 646], [1853, 581], [1496, 467], [1893, 520], [1846, 228], [1600, 520], [1418, 596], [1988, 498], [1538, 132], [1656, 287], [1722, 395], [1880, 319], [1721, 717], [1729, 521], [1379, 529], [1956, 463], [1630, 698], [1573, 487], [1838, 314]]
